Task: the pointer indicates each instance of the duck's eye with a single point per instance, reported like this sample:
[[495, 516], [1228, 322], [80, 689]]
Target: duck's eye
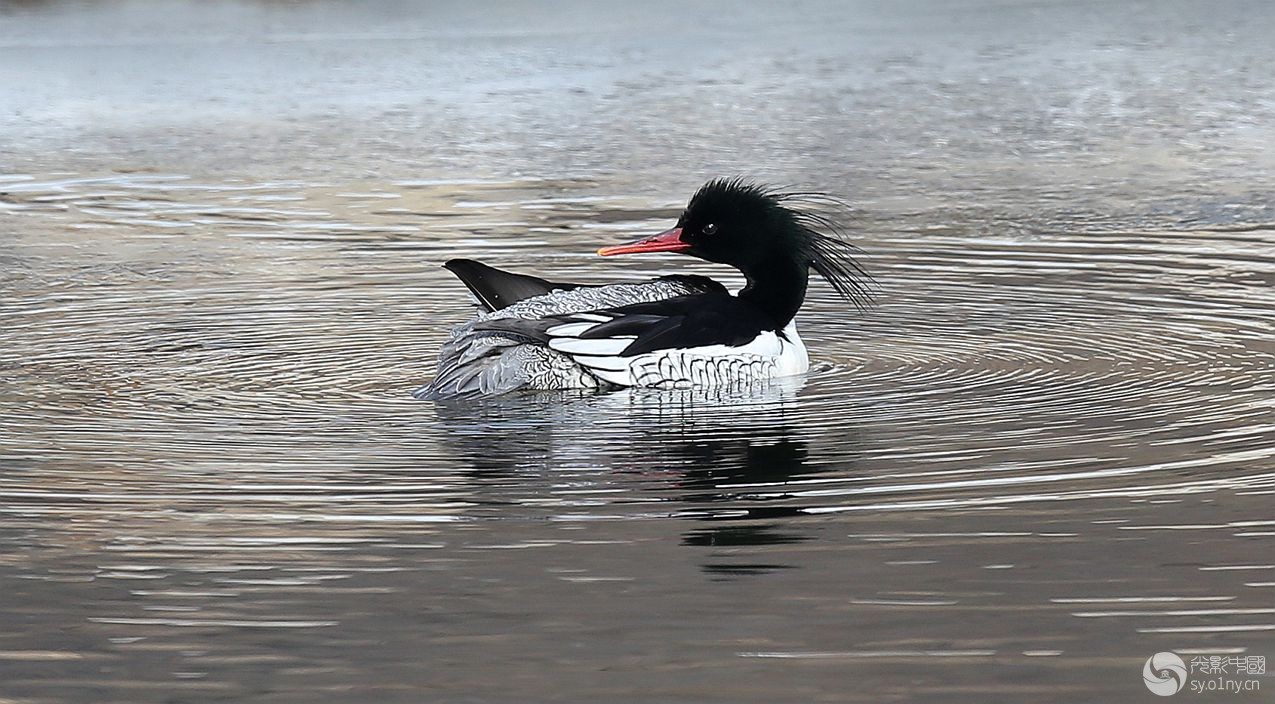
[[709, 229]]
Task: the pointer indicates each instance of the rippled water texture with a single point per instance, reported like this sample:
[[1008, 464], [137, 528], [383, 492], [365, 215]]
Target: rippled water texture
[[1045, 456]]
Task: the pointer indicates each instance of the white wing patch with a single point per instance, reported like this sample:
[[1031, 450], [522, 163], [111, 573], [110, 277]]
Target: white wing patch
[[600, 364], [594, 347], [572, 329]]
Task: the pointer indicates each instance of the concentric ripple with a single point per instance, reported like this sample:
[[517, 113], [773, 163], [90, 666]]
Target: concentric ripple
[[199, 325], [206, 423]]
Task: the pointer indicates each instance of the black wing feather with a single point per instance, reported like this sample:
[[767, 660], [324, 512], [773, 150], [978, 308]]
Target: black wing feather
[[628, 324], [496, 289], [533, 330], [674, 323], [693, 321]]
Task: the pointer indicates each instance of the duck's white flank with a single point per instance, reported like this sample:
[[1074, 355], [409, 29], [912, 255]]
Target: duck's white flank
[[767, 356]]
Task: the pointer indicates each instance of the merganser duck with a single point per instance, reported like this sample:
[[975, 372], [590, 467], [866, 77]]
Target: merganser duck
[[674, 331]]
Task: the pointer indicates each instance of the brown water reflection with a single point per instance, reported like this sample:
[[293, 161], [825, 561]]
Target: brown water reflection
[[1046, 456]]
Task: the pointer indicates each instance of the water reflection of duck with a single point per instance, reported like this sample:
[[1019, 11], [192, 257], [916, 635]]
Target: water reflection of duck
[[672, 332], [715, 458], [706, 445]]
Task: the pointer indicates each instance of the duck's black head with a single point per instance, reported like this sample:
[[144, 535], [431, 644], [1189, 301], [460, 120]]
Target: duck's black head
[[772, 237]]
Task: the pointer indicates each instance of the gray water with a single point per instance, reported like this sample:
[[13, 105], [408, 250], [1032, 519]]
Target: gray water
[[1045, 456]]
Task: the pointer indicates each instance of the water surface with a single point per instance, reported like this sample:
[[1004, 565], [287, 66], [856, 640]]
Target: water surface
[[1046, 455]]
